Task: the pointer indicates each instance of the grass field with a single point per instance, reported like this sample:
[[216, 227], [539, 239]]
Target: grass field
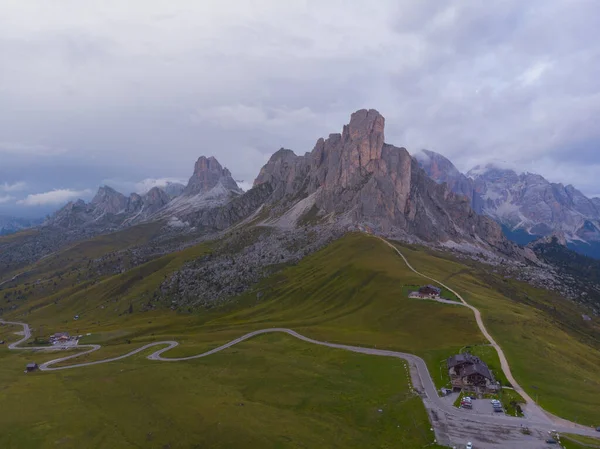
[[570, 441], [271, 392], [553, 354], [351, 292]]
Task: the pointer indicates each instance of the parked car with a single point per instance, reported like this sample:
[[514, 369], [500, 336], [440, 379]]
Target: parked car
[[551, 441], [469, 445], [598, 429]]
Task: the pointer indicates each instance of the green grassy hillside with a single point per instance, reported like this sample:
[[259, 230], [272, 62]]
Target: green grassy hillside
[[553, 353], [353, 292], [271, 392]]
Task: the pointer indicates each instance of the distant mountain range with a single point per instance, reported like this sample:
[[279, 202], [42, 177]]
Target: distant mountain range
[[210, 185], [526, 205], [350, 181], [10, 225]]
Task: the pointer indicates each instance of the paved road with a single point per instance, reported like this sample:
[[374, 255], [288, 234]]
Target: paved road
[[420, 376], [532, 409]]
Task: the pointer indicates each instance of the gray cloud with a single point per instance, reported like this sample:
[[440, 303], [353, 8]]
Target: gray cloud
[[137, 90]]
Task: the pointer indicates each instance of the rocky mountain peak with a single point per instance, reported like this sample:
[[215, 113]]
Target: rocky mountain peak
[[155, 199], [355, 177], [366, 131], [108, 200], [208, 173]]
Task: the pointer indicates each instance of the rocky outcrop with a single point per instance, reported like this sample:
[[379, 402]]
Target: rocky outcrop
[[441, 170], [529, 202], [356, 178], [210, 186], [238, 209], [109, 201], [557, 238], [109, 210], [524, 203], [208, 174]]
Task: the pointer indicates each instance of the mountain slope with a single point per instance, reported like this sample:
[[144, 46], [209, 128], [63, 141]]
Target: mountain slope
[[578, 272], [528, 201], [442, 170], [211, 185], [526, 205], [109, 210], [355, 178]]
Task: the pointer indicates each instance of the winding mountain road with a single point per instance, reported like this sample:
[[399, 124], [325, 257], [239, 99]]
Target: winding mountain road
[[536, 418], [533, 410], [420, 376]]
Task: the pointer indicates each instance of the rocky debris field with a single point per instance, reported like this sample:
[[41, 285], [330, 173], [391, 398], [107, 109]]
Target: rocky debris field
[[240, 262]]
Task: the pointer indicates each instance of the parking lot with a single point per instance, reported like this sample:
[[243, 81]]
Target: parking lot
[[483, 407]]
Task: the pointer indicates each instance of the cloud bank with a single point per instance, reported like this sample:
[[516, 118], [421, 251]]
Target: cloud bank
[[54, 197], [140, 89]]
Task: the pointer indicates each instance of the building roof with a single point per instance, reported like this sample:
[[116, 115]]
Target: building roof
[[430, 289], [61, 334], [478, 368], [31, 365], [472, 365], [460, 359]]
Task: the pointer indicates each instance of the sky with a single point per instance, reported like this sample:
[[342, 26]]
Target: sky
[[130, 94]]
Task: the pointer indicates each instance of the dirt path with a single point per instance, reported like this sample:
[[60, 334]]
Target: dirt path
[[532, 409]]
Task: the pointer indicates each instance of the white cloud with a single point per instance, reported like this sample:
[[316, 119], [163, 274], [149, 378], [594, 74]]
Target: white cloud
[[534, 72], [149, 183], [54, 197], [472, 80], [244, 185], [16, 187], [6, 199]]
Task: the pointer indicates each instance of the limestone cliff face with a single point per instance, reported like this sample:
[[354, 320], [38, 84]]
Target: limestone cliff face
[[441, 170], [208, 174], [355, 176]]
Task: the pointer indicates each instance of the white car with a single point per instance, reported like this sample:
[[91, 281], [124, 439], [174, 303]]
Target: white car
[[469, 445]]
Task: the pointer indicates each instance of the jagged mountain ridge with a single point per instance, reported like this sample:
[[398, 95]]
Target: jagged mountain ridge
[[528, 201], [210, 186], [524, 203], [356, 178], [109, 209]]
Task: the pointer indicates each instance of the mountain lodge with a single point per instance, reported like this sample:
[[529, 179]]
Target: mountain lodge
[[469, 373]]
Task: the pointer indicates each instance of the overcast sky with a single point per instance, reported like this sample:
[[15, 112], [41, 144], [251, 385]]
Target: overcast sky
[[130, 92]]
